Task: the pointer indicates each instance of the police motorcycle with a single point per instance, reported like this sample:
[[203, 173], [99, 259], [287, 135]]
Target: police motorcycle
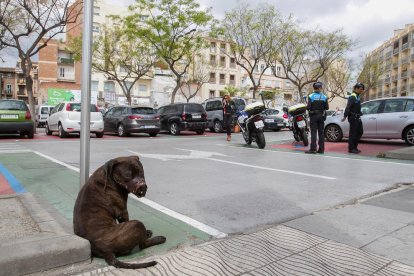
[[251, 123], [298, 122]]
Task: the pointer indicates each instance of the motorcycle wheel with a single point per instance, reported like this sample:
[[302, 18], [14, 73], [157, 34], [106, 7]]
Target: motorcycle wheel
[[260, 139], [247, 138], [304, 136]]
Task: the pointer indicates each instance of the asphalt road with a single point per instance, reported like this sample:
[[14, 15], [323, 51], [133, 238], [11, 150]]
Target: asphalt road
[[230, 186]]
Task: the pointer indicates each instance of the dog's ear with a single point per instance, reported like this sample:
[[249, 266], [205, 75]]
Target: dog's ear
[[109, 167]]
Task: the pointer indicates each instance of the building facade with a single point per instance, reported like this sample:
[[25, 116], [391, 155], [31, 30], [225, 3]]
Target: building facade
[[13, 83], [396, 59]]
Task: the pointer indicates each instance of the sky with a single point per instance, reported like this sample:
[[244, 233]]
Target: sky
[[370, 22]]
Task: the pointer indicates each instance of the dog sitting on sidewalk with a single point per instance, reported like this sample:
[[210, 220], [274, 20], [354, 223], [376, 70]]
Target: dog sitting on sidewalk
[[101, 214]]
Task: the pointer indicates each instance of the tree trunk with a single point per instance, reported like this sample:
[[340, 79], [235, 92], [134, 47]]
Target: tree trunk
[[27, 68]]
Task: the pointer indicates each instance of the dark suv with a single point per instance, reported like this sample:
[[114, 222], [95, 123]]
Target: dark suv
[[183, 116]]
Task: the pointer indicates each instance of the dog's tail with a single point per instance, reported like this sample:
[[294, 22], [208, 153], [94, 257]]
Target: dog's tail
[[112, 260]]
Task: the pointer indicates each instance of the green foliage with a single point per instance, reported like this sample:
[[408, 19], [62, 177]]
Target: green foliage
[[230, 90], [269, 94]]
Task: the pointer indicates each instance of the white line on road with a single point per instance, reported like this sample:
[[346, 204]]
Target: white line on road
[[196, 224], [272, 169]]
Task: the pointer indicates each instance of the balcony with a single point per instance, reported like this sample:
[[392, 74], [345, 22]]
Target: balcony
[[412, 56], [222, 81], [68, 61], [232, 82], [404, 46], [404, 74], [405, 60], [213, 63], [388, 67], [66, 77], [396, 51], [394, 77], [222, 63], [395, 64], [212, 80], [21, 81], [232, 65], [388, 55], [387, 80], [394, 92], [412, 73], [403, 88]]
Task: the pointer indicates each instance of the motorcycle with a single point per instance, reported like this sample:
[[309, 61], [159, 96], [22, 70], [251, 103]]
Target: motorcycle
[[251, 124], [298, 122]]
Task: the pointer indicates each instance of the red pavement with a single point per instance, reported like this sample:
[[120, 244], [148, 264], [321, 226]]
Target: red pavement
[[368, 148], [5, 188]]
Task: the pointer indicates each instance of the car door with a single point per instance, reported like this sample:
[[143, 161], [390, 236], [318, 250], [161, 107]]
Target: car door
[[108, 120], [393, 118], [54, 117], [370, 112]]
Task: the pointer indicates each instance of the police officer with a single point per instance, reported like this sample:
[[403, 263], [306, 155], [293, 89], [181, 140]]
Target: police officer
[[353, 113], [317, 104]]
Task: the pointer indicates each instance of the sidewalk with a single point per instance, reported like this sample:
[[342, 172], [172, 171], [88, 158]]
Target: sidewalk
[[371, 237]]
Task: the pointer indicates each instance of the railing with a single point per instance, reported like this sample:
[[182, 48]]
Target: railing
[[404, 46], [395, 77], [412, 56], [388, 55], [68, 77], [395, 64], [388, 67], [387, 80], [403, 88], [404, 74], [405, 60], [213, 63], [222, 64], [396, 51], [412, 73], [232, 82], [21, 81], [66, 60], [212, 80], [222, 81]]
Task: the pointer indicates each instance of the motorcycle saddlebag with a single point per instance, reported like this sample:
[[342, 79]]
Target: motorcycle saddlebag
[[254, 108], [297, 109]]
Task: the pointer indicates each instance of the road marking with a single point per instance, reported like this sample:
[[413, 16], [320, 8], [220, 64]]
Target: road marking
[[194, 154], [393, 161], [196, 224]]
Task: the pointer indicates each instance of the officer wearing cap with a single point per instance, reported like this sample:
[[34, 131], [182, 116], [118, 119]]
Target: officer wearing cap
[[353, 113], [317, 104]]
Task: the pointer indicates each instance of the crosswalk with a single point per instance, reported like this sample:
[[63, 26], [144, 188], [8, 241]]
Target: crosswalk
[[12, 148]]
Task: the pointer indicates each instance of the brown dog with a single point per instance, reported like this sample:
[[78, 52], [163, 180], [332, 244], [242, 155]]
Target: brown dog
[[101, 214]]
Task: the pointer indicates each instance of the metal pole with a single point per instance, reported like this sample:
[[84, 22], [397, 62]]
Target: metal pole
[[86, 91]]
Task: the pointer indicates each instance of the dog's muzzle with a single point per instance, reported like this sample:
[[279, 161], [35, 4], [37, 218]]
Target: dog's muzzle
[[141, 191]]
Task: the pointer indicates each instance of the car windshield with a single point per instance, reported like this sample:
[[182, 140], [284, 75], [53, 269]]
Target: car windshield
[[143, 110], [12, 105], [77, 107], [193, 108], [44, 110]]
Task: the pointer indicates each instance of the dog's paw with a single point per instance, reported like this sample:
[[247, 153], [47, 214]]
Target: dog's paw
[[149, 234], [159, 239]]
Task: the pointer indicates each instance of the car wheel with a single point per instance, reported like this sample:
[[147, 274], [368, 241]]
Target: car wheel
[[62, 132], [200, 131], [218, 127], [153, 134], [30, 134], [409, 136], [47, 130], [333, 133], [174, 129], [99, 134], [121, 131]]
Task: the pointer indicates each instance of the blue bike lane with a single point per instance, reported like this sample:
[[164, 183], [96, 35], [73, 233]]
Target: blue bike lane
[[59, 186]]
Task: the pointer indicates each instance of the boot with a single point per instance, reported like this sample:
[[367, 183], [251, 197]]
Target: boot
[[228, 138]]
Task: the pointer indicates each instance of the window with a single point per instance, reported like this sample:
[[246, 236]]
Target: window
[[213, 47], [212, 78], [222, 78], [223, 47], [395, 105], [96, 10], [213, 60], [143, 88], [409, 106], [61, 72], [262, 68], [109, 86], [211, 93], [94, 85], [223, 61], [9, 89], [370, 107], [95, 28]]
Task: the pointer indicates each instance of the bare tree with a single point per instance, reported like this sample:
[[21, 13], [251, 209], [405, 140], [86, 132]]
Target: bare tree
[[337, 79], [371, 72], [28, 26], [305, 56], [251, 32], [199, 74]]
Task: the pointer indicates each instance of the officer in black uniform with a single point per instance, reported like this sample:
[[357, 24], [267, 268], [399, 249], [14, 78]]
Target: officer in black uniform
[[353, 113], [317, 104]]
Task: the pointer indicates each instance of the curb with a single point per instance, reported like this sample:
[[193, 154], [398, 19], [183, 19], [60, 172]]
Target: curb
[[54, 245]]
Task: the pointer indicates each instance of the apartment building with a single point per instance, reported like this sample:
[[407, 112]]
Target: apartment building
[[396, 57], [13, 83], [108, 90], [225, 72], [58, 73]]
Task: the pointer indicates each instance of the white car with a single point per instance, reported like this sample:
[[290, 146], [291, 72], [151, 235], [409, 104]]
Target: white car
[[387, 118], [65, 119]]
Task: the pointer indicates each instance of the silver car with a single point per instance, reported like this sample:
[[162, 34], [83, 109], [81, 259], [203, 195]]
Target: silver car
[[387, 118]]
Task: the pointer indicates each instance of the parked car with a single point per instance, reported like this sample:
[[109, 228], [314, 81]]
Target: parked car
[[124, 120], [15, 118], [65, 119], [183, 116], [387, 118], [273, 119], [214, 109], [42, 113]]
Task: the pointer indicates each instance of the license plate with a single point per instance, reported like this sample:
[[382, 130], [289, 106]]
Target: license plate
[[259, 124], [149, 126], [269, 120], [281, 124], [301, 124], [196, 116], [9, 116]]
